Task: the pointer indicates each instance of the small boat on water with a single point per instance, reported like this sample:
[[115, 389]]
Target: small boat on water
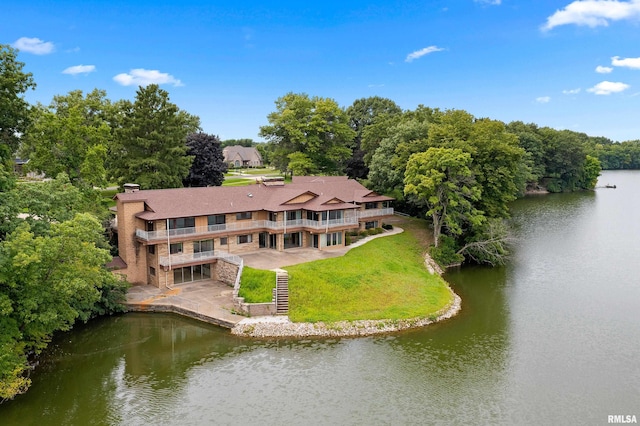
[[610, 186]]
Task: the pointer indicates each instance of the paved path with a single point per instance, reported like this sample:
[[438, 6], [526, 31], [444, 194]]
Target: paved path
[[209, 301]]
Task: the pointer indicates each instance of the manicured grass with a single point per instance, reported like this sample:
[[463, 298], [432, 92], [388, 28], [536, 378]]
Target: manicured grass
[[256, 285], [383, 279], [238, 181]]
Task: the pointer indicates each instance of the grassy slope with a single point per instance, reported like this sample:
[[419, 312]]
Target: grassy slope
[[256, 285], [383, 279]]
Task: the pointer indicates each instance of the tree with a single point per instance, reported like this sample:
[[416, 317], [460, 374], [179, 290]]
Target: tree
[[442, 178], [71, 136], [363, 113], [488, 244], [208, 166], [300, 164], [498, 166], [46, 284], [590, 173], [150, 147], [317, 127], [14, 110]]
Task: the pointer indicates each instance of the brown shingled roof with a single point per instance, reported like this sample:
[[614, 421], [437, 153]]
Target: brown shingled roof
[[187, 202]]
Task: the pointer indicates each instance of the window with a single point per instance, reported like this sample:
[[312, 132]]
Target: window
[[151, 249], [224, 241], [333, 215], [369, 225], [334, 239], [182, 222], [243, 239], [201, 246], [312, 215], [292, 240], [152, 271], [294, 215], [150, 226], [368, 206], [243, 215], [273, 216], [216, 219], [175, 248]]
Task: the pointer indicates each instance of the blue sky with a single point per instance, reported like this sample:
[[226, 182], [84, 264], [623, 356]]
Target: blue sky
[[567, 65]]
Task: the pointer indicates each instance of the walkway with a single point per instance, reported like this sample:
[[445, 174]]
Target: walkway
[[209, 301]]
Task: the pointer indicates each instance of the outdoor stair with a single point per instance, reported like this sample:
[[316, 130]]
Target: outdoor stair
[[282, 293]]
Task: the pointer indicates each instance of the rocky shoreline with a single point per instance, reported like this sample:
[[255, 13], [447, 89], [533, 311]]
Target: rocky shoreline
[[268, 327]]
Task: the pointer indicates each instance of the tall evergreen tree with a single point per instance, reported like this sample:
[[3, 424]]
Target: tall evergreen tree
[[208, 167], [150, 146]]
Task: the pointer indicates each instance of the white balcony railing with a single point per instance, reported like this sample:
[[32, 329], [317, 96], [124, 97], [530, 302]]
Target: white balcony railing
[[262, 224], [182, 258], [375, 213]]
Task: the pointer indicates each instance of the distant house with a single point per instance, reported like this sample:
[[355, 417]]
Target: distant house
[[18, 166], [241, 156]]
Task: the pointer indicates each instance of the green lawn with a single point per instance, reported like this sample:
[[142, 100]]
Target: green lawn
[[256, 285], [238, 181], [383, 279]]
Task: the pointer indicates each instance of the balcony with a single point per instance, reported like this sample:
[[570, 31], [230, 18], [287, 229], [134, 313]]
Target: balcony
[[365, 214], [202, 257], [266, 225]]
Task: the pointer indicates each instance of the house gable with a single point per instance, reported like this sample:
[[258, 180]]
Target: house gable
[[334, 201], [302, 198]]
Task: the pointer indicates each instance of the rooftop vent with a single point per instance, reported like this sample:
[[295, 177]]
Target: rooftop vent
[[131, 187]]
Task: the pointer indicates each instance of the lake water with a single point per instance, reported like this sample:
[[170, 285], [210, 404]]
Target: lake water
[[551, 338]]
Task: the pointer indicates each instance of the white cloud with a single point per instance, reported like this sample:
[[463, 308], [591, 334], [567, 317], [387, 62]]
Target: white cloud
[[489, 2], [633, 63], [608, 87], [543, 99], [142, 77], [79, 69], [34, 45], [422, 52], [571, 91], [593, 13], [603, 70]]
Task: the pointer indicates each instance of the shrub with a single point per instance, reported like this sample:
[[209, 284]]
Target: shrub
[[446, 252], [387, 226]]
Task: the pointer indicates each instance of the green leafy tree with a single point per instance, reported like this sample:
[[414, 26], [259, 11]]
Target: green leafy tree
[[149, 145], [317, 127], [590, 173], [71, 136], [301, 165], [442, 178], [46, 284], [14, 110], [208, 166], [362, 113], [498, 166]]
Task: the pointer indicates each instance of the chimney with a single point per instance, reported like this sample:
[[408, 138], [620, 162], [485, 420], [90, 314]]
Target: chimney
[[131, 187]]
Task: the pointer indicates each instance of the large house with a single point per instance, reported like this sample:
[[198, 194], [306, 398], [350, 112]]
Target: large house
[[241, 156], [170, 236]]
